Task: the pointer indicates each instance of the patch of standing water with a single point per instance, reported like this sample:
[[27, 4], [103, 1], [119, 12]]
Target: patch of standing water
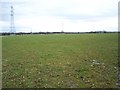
[[118, 83]]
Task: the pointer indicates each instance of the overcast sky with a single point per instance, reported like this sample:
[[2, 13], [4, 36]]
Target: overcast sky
[[48, 15]]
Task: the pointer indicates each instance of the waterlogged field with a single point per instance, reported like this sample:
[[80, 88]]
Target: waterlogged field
[[60, 61]]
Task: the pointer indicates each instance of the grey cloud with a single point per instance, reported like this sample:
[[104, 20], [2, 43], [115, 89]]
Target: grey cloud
[[27, 9], [63, 10]]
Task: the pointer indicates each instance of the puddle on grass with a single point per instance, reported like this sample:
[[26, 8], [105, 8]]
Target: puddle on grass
[[118, 83]]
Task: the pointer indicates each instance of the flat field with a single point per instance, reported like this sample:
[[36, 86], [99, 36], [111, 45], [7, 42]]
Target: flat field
[[60, 61]]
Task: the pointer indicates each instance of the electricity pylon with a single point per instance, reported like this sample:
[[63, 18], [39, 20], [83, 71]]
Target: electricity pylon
[[12, 25]]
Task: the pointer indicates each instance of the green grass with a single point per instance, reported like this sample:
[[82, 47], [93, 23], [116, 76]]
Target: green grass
[[0, 62], [60, 61]]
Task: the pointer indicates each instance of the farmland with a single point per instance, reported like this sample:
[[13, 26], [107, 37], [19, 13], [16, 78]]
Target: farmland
[[60, 61]]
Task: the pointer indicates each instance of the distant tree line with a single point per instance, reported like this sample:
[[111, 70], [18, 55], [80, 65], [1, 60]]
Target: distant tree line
[[28, 33]]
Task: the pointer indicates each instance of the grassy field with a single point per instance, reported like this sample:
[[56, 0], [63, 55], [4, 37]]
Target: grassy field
[[60, 61]]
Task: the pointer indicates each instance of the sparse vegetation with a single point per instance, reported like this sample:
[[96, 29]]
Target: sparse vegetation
[[60, 61]]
